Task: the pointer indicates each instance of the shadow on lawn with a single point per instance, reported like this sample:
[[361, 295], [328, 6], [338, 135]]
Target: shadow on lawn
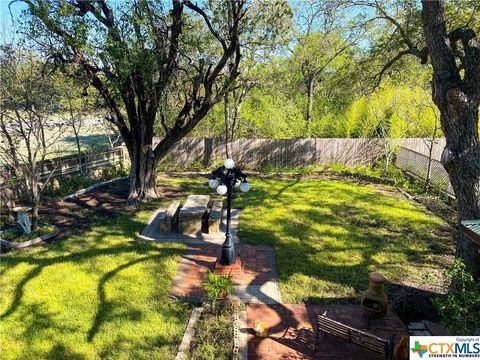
[[103, 313], [384, 236], [106, 307]]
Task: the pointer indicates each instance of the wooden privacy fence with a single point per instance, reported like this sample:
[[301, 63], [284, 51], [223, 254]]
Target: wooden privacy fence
[[413, 156], [255, 153]]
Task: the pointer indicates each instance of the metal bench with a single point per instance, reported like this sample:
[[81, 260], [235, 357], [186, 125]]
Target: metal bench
[[168, 219], [354, 336], [215, 217], [191, 214]]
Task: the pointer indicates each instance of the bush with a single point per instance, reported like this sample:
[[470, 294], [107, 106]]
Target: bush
[[460, 309], [217, 286]]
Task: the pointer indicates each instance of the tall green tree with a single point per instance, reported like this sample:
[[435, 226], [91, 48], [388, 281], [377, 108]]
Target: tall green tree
[[322, 40], [317, 57], [258, 47], [444, 33], [156, 65]]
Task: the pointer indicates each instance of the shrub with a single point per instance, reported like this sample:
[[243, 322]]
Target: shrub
[[460, 308], [196, 166], [217, 286]]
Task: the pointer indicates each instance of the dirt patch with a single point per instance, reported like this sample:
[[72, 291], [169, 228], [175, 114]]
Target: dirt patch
[[107, 200]]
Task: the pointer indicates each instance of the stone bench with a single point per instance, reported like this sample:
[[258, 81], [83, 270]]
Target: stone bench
[[168, 219], [215, 217], [191, 214]]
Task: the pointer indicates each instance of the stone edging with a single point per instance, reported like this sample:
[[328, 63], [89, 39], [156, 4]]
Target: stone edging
[[241, 338], [91, 187], [236, 327], [31, 242], [189, 333]]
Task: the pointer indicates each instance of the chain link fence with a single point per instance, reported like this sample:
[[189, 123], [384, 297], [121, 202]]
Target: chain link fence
[[413, 157]]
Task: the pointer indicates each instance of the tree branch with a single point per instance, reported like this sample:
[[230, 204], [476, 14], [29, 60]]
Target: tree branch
[[470, 61]]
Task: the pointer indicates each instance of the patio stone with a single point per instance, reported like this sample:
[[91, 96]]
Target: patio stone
[[292, 334], [252, 285]]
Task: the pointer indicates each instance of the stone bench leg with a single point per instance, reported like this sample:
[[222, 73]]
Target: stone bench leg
[[189, 225]]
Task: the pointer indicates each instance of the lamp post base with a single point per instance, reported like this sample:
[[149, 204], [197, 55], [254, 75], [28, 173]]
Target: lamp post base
[[234, 270]]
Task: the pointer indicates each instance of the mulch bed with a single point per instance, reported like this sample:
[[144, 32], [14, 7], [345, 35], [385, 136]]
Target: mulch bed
[[109, 200]]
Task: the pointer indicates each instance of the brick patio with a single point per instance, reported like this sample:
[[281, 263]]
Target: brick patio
[[292, 336], [256, 283]]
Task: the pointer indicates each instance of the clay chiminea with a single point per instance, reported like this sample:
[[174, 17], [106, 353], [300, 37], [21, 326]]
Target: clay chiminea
[[374, 301]]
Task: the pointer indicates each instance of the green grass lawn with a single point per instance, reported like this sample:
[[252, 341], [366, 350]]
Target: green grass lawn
[[328, 235], [95, 295]]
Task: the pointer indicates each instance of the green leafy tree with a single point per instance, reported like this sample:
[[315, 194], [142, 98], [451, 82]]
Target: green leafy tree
[[321, 47], [444, 32], [157, 65]]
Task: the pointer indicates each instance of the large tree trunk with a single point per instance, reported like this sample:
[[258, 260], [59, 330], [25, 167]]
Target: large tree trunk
[[464, 173], [457, 100], [143, 173]]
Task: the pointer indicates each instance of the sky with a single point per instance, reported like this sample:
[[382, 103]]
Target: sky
[[7, 33], [7, 24]]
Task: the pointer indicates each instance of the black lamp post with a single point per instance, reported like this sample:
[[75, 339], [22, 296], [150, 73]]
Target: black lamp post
[[225, 179]]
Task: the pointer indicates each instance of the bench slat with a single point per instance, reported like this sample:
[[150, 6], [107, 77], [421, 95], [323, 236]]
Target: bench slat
[[168, 218], [352, 335], [338, 325], [358, 340]]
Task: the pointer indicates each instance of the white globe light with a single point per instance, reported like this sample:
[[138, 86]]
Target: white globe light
[[213, 183], [245, 186], [229, 164], [222, 189]]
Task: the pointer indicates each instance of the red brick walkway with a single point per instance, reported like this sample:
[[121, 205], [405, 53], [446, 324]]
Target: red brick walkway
[[292, 335], [258, 268]]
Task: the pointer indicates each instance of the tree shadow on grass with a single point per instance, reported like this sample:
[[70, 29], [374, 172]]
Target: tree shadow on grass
[[354, 234], [42, 263], [104, 312], [60, 351], [108, 310]]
